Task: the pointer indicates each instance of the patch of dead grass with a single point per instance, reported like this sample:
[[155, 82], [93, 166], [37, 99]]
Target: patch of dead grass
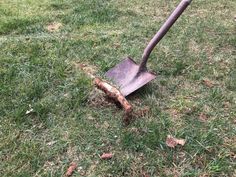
[[53, 27], [194, 47], [89, 69]]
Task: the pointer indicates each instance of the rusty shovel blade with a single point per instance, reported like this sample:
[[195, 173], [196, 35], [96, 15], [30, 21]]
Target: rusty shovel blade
[[127, 76]]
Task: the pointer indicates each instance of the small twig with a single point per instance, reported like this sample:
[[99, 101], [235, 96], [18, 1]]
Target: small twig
[[71, 169]]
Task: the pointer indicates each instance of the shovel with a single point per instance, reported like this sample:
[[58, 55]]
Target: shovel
[[128, 75]]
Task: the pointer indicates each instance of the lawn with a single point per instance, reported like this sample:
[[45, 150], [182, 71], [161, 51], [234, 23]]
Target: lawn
[[52, 115]]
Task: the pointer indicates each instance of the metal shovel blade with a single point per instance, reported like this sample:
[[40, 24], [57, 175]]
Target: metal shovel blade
[[127, 77]]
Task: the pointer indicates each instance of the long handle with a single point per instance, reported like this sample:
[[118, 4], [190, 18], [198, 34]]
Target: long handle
[[163, 30]]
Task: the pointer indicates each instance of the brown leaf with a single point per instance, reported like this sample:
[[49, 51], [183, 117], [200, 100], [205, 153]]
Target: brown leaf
[[106, 156], [54, 26], [71, 169], [172, 142], [208, 83], [202, 117]]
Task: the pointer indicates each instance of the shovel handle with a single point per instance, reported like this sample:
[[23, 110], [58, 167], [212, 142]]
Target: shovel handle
[[162, 31]]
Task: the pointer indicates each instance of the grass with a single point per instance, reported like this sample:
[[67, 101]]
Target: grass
[[70, 121]]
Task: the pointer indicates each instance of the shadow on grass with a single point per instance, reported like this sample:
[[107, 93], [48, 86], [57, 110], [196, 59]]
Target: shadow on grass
[[17, 24]]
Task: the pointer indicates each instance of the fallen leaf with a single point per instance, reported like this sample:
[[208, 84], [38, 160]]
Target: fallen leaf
[[172, 142], [106, 156], [202, 117], [71, 169], [208, 83], [54, 26]]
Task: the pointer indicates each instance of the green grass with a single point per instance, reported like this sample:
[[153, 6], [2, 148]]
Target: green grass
[[71, 121]]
